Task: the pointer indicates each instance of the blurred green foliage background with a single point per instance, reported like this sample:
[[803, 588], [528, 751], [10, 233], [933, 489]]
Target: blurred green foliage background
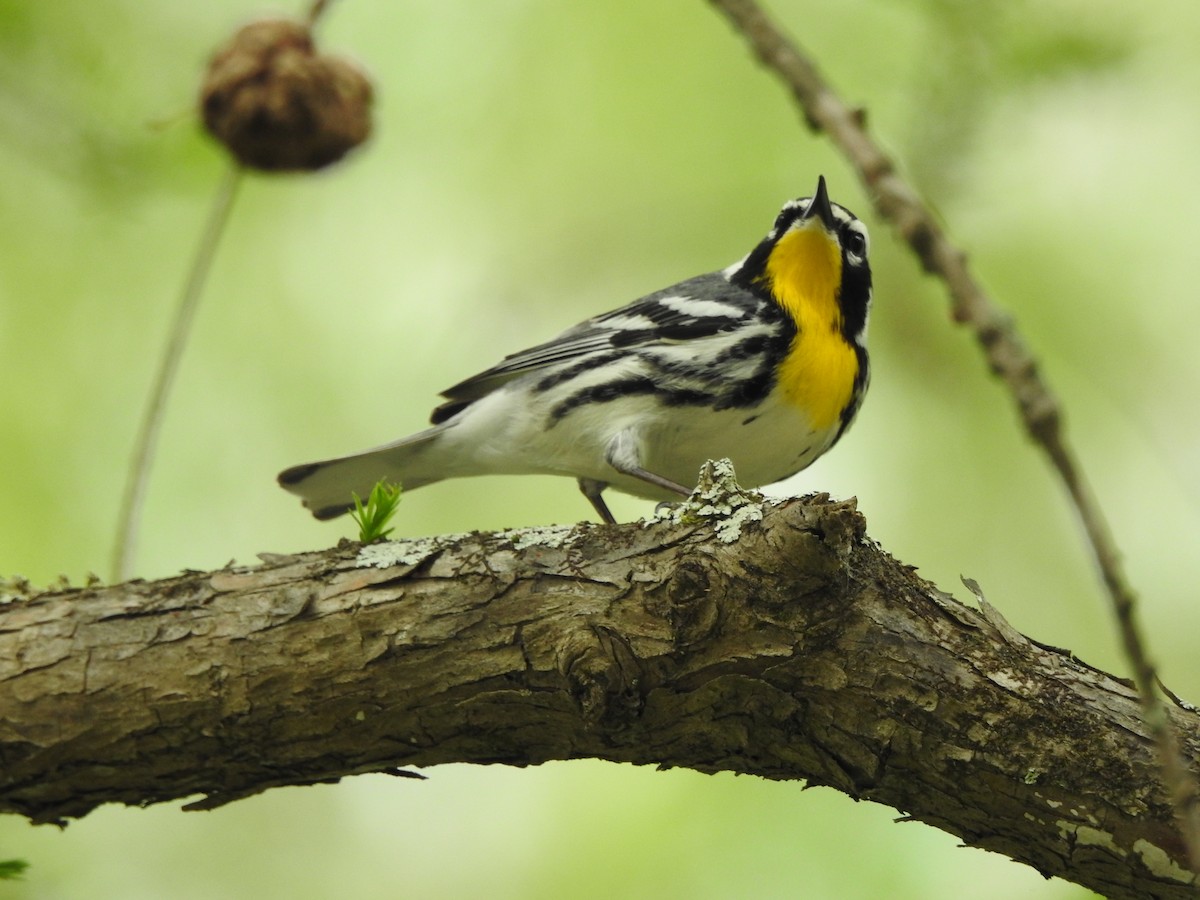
[[536, 162]]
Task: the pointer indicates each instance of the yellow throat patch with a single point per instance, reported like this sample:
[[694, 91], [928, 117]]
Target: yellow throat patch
[[804, 272]]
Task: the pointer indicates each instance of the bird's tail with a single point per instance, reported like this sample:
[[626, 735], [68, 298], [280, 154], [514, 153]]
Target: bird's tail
[[326, 486]]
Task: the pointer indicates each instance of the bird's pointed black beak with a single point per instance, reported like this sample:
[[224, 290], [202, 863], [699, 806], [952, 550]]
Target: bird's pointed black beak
[[819, 206]]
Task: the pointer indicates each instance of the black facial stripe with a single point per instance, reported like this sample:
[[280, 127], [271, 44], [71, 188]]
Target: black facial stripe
[[854, 298]]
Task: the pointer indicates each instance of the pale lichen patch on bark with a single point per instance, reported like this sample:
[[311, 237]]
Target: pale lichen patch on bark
[[1089, 836], [555, 536], [1159, 862], [387, 554], [717, 496]]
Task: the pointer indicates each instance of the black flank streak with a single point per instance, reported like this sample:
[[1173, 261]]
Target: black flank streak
[[749, 392], [628, 387], [584, 365], [751, 346]]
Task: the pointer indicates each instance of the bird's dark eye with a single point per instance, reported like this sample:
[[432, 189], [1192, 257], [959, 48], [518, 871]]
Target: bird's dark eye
[[855, 242]]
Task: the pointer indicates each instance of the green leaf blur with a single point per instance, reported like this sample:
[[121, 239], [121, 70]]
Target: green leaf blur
[[12, 869]]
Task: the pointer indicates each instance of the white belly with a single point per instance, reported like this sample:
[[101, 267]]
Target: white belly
[[766, 444], [506, 433]]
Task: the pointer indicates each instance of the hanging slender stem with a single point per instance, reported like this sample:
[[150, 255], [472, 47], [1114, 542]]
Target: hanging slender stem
[[133, 499], [1006, 353], [316, 11]]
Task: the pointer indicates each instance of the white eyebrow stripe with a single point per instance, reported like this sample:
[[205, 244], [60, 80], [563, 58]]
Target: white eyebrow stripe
[[700, 308], [848, 218]]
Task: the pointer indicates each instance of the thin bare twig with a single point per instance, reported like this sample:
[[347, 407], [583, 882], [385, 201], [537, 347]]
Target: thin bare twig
[[143, 458], [316, 11], [897, 203]]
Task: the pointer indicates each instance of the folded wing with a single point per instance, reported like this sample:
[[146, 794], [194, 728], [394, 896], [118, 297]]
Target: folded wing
[[691, 310]]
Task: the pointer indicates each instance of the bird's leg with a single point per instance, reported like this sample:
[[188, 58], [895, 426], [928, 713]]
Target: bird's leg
[[593, 490], [656, 480], [623, 456]]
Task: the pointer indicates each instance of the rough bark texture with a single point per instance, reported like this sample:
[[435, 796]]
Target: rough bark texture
[[791, 647]]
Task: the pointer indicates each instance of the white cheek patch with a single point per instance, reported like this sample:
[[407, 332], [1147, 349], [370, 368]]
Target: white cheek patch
[[861, 337], [729, 271]]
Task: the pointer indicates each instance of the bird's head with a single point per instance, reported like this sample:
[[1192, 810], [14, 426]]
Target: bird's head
[[813, 262]]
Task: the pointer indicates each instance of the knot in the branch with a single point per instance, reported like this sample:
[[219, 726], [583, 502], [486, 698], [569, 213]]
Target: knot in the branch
[[604, 675]]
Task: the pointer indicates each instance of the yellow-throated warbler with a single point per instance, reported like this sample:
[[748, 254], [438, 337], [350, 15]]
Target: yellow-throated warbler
[[764, 362]]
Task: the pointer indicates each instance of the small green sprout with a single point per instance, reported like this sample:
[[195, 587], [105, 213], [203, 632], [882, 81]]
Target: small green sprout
[[376, 512]]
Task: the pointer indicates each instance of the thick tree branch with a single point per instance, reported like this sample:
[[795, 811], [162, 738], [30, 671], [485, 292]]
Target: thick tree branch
[[791, 648]]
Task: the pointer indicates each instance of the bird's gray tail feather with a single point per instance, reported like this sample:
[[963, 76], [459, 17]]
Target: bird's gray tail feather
[[325, 487]]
